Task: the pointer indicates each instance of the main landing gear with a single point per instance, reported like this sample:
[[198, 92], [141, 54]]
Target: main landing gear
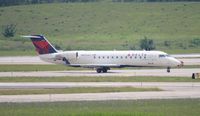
[[168, 69], [103, 70]]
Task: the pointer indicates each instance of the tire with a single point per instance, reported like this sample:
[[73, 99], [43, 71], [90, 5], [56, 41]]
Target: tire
[[98, 70], [168, 69], [104, 70]]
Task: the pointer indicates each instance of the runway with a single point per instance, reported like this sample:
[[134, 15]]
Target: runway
[[172, 86], [187, 59], [141, 72], [21, 60], [174, 90]]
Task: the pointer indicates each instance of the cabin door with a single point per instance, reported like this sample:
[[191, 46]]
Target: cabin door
[[150, 59]]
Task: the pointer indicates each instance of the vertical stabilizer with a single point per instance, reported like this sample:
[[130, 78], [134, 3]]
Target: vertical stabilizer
[[42, 45]]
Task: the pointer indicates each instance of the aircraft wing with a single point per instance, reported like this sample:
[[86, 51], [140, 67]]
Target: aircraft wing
[[97, 65]]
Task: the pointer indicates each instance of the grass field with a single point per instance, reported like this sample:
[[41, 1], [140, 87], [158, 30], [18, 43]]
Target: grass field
[[181, 107], [104, 26], [98, 79], [74, 90]]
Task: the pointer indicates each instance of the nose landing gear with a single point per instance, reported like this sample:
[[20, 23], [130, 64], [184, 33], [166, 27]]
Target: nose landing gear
[[168, 69]]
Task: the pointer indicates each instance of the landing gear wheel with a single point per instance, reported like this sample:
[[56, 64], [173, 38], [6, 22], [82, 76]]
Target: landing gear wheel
[[168, 69], [98, 70], [104, 70]]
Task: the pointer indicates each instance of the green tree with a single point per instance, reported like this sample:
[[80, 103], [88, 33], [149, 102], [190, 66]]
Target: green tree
[[9, 30], [147, 44]]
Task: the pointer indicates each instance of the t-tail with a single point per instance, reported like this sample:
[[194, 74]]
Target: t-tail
[[42, 45]]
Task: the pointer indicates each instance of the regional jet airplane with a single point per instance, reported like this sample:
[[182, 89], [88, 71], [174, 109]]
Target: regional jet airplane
[[102, 61]]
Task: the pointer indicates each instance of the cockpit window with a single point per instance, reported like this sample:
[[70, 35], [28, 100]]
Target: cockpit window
[[163, 55]]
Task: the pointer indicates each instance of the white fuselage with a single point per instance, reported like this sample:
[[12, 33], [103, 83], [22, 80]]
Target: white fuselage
[[94, 59]]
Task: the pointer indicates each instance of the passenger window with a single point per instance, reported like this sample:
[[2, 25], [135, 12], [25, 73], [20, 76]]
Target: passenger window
[[161, 56]]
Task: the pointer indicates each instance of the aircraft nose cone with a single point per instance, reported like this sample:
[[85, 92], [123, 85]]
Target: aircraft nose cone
[[180, 64], [176, 62]]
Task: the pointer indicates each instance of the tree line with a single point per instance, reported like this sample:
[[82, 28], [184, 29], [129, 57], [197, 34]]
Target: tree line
[[155, 0], [22, 2]]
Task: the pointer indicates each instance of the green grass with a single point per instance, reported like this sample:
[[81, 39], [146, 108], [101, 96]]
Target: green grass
[[98, 79], [103, 26], [181, 107], [14, 67], [74, 90]]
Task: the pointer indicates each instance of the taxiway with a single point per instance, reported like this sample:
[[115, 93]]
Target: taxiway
[[141, 72], [174, 90]]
